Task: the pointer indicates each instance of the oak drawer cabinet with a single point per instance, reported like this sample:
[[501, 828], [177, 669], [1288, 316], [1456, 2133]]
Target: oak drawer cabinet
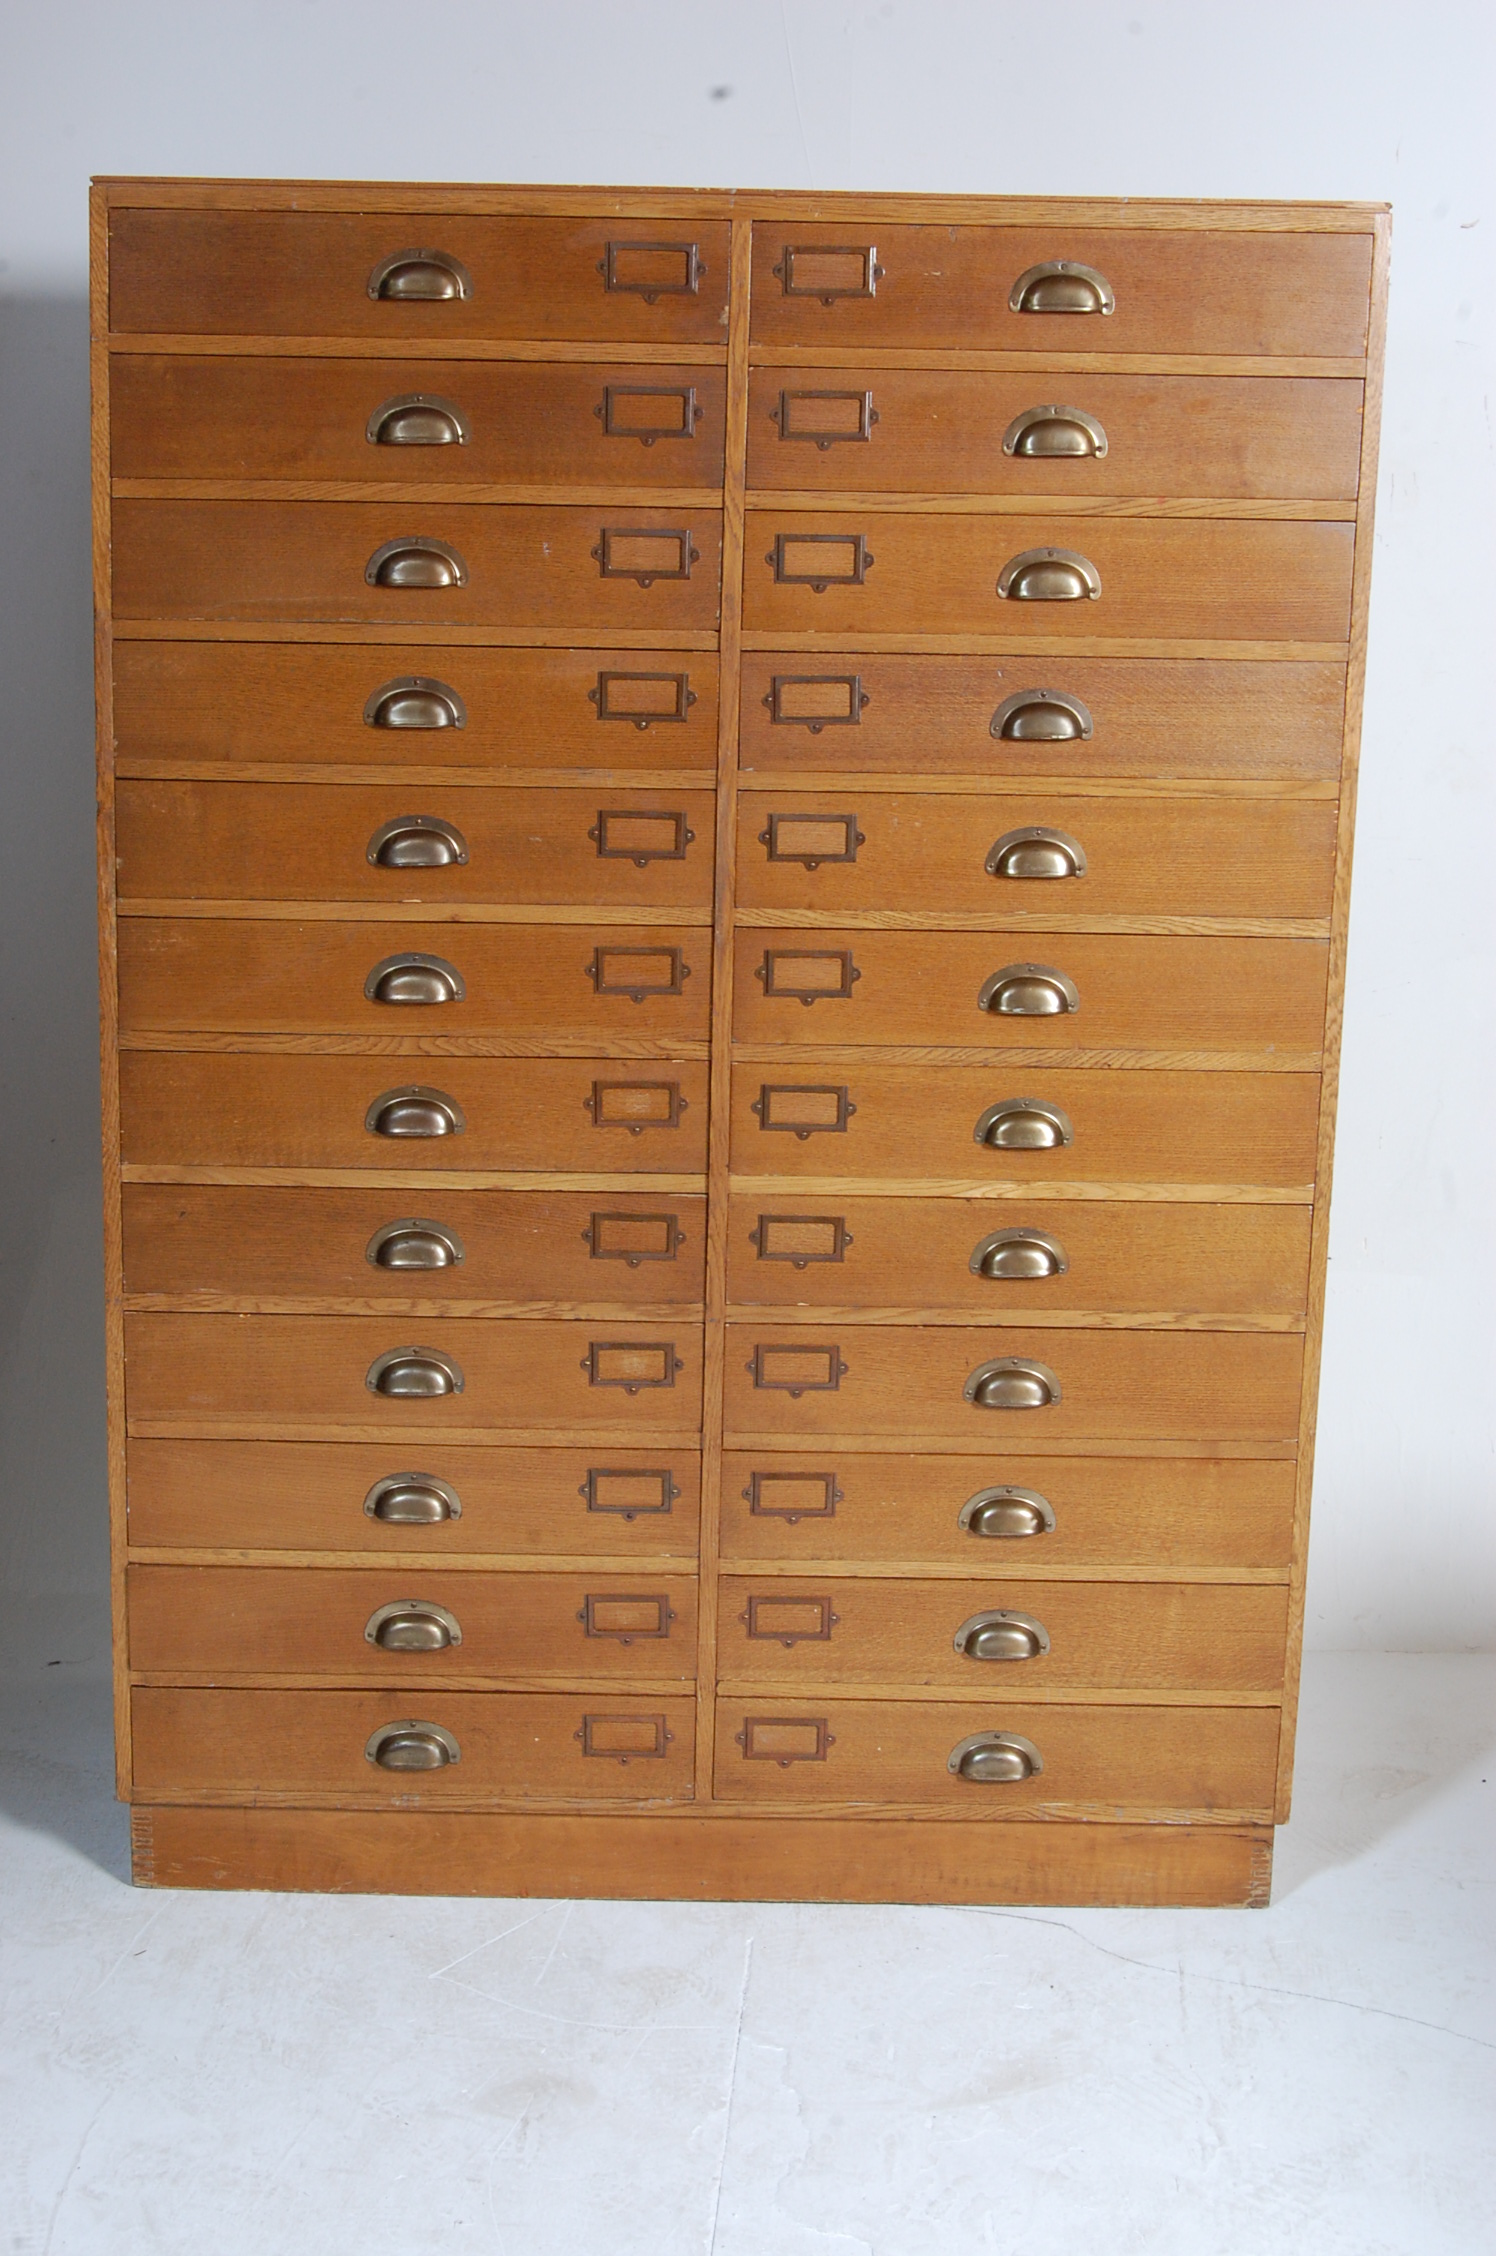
[[724, 853]]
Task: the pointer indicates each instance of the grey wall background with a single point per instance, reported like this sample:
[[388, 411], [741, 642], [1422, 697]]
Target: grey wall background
[[1377, 100]]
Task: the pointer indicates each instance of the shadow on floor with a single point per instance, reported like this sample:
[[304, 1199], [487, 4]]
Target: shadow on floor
[[57, 1763]]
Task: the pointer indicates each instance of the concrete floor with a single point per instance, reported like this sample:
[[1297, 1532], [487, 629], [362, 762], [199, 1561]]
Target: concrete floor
[[218, 2075]]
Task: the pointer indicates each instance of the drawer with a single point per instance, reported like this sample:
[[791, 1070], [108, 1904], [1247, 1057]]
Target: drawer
[[466, 1249], [1036, 1262], [652, 570], [595, 1115], [1046, 991], [400, 706], [372, 845], [1137, 1513], [1186, 720], [1096, 1761], [309, 1747], [355, 1496], [417, 422], [309, 1375], [886, 430], [442, 1626], [855, 572], [1156, 290], [845, 1378], [304, 273], [965, 856], [567, 982]]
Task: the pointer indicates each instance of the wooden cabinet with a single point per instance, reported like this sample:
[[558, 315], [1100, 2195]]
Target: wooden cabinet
[[724, 871]]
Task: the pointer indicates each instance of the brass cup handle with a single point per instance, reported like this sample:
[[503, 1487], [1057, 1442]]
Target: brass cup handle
[[418, 842], [414, 978], [1028, 990], [419, 1373], [415, 1111], [1049, 575], [414, 1244], [1006, 1515], [420, 277], [415, 560], [1023, 1124], [412, 1746], [1041, 716], [996, 1635], [414, 701], [1054, 431], [1061, 286], [424, 419], [995, 1758], [412, 1500], [412, 1625], [1011, 1255], [1012, 1382]]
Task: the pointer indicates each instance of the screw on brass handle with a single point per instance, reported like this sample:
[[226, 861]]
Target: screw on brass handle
[[1012, 1382], [1007, 1514], [413, 978], [415, 701], [420, 276], [1023, 1124], [1026, 990], [412, 1625], [999, 1636], [995, 1758], [1049, 575], [419, 842], [412, 1746], [412, 1500], [1061, 286], [419, 419], [414, 1244], [1041, 716], [1036, 851], [415, 1111], [419, 1372], [415, 560], [1014, 1254]]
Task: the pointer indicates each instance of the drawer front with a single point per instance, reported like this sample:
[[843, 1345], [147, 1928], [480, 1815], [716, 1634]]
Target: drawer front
[[305, 1375], [651, 570], [962, 1512], [356, 1496], [275, 1621], [1120, 1636], [289, 274], [309, 1747], [964, 856], [371, 845], [855, 572], [880, 1122], [416, 422], [1096, 1761], [473, 1248], [1045, 991], [595, 1115], [403, 706], [886, 430], [1171, 291], [573, 982], [1036, 1262], [1111, 718], [840, 1378]]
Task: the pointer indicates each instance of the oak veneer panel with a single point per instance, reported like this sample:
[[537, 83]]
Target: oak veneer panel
[[530, 423], [1115, 1385], [309, 1496], [289, 561], [1147, 1516], [1096, 1759], [1207, 857], [1130, 1128], [201, 1745], [1198, 580], [256, 704], [1173, 718], [1185, 292], [189, 1109], [1128, 1259], [187, 1239], [181, 841], [1227, 438]]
